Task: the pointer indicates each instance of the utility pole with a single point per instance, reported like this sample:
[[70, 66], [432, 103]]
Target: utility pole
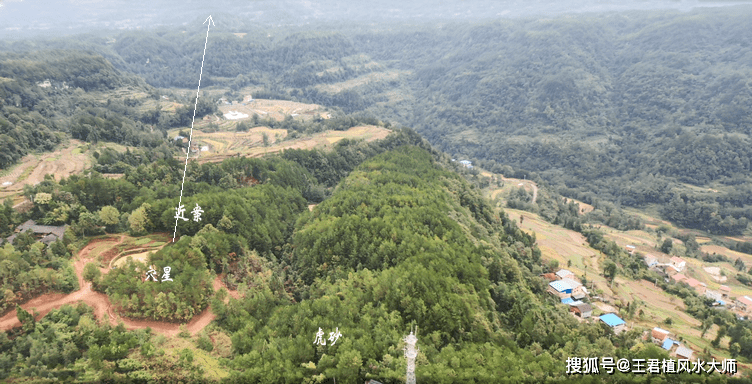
[[411, 351]]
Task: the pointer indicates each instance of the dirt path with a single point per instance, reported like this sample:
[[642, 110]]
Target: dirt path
[[101, 303]]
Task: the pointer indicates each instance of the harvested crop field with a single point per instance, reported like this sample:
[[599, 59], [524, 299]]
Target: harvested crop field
[[224, 144], [32, 168], [276, 109]]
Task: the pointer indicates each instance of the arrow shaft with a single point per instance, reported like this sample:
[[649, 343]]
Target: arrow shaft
[[190, 137]]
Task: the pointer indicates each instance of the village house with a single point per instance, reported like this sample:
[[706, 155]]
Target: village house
[[744, 303], [560, 289], [714, 295], [684, 353], [725, 291], [698, 286], [615, 322], [650, 260], [659, 335], [580, 309], [630, 248], [565, 274], [679, 277], [46, 234], [548, 276], [578, 290], [678, 263], [669, 344], [467, 163]]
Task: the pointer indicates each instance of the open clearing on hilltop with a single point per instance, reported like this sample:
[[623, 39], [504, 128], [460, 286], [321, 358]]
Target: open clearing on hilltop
[[250, 144], [99, 250]]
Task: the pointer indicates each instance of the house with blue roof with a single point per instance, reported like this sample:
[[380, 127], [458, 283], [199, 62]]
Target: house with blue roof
[[567, 300], [668, 344], [560, 289], [615, 322]]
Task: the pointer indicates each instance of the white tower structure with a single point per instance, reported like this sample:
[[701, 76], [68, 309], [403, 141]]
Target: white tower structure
[[411, 352]]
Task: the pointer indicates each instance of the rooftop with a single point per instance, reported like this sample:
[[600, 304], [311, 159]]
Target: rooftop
[[560, 286], [684, 351], [679, 277], [572, 283], [583, 307], [563, 273], [746, 300], [611, 319]]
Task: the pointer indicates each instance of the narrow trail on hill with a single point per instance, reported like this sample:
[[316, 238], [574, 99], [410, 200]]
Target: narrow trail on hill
[[101, 303]]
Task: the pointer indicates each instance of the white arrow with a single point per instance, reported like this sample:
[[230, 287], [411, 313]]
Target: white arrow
[[209, 22]]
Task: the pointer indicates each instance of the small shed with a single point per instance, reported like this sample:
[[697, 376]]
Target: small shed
[[650, 261], [684, 353], [679, 277], [668, 344], [583, 310], [659, 335], [744, 303], [548, 276], [565, 274], [614, 321], [567, 300]]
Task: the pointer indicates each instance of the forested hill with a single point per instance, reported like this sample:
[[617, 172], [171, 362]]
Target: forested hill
[[622, 106], [625, 107], [404, 242]]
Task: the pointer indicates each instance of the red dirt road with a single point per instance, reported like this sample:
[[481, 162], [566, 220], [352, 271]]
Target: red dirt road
[[101, 303]]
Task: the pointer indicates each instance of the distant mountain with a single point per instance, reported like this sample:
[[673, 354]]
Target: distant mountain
[[20, 18]]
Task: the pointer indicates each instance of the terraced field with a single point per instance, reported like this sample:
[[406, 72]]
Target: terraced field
[[223, 145]]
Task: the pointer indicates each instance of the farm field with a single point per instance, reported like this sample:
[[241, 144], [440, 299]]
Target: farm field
[[565, 246], [276, 109], [223, 145], [67, 160]]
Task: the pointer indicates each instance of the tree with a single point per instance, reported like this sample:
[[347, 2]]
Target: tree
[[92, 273], [109, 216], [609, 270], [139, 220], [26, 319], [87, 221], [667, 245]]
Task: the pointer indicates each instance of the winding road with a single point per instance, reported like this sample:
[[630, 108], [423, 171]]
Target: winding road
[[101, 303]]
